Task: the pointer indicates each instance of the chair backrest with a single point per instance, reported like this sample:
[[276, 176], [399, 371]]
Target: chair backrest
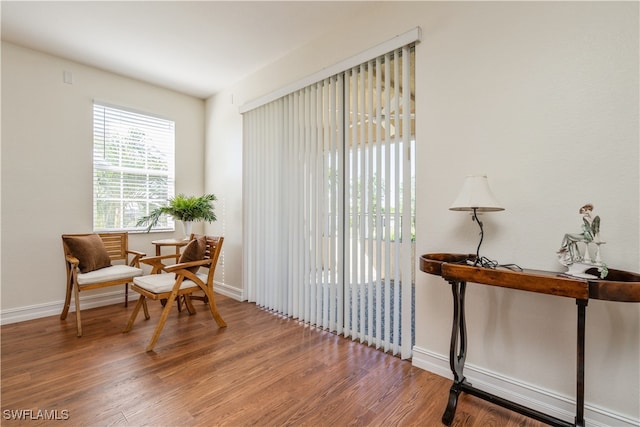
[[116, 244]]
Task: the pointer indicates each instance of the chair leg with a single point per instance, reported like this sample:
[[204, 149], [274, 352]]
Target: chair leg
[[126, 295], [146, 310], [76, 297], [189, 304], [134, 314], [204, 298], [214, 310], [163, 319], [67, 299]]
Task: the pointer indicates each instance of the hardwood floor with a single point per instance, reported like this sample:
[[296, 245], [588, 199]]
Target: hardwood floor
[[262, 370]]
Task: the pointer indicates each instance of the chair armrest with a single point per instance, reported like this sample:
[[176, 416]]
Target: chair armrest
[[135, 261], [184, 265], [155, 259], [180, 269], [156, 262], [72, 260]]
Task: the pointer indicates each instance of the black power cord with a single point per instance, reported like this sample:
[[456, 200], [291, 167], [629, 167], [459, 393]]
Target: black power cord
[[484, 261]]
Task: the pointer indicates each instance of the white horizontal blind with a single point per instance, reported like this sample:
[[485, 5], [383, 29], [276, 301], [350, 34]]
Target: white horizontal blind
[[327, 203], [133, 167]]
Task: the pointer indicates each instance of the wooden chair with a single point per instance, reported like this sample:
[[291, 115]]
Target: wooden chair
[[170, 282], [116, 246]]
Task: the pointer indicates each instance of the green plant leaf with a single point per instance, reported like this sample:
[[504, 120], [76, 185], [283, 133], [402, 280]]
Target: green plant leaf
[[183, 208]]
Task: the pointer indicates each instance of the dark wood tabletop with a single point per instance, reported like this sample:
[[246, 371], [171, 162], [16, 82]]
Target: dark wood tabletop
[[618, 285]]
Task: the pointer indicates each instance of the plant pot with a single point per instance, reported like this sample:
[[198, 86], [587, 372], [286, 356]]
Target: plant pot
[[187, 226]]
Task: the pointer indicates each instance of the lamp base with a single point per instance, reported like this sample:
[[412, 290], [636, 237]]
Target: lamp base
[[476, 219]]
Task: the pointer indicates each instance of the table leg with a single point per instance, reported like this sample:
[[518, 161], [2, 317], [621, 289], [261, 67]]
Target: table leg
[[582, 310], [457, 350]]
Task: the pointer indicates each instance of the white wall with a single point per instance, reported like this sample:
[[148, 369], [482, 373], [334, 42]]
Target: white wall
[[47, 145], [223, 177], [541, 96]]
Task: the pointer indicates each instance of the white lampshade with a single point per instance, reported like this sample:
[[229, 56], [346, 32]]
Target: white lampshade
[[476, 194]]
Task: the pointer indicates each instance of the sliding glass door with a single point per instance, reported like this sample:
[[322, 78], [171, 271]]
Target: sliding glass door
[[328, 190]]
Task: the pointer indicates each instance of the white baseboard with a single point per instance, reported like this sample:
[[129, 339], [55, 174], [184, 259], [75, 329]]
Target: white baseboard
[[229, 291], [36, 311], [534, 397]]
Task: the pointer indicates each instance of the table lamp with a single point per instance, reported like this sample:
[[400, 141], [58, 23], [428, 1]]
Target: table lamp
[[476, 196]]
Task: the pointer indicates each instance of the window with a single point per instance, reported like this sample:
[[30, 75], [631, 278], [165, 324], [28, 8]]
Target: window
[[133, 167]]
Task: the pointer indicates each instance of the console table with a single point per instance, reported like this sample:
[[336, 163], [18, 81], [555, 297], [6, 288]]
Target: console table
[[619, 286]]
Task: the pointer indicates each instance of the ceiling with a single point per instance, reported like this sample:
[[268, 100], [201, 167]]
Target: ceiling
[[194, 47]]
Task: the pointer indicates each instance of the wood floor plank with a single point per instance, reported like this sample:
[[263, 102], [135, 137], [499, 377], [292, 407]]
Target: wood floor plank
[[263, 369]]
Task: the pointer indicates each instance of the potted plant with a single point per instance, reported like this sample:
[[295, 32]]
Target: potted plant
[[185, 209]]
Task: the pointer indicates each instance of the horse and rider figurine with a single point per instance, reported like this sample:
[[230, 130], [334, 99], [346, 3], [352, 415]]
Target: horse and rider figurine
[[569, 253]]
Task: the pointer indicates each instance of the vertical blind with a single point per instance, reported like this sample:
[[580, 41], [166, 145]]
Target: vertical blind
[[328, 212], [133, 167]]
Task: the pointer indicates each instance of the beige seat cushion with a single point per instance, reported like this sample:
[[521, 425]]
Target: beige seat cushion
[[115, 272], [161, 283]]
